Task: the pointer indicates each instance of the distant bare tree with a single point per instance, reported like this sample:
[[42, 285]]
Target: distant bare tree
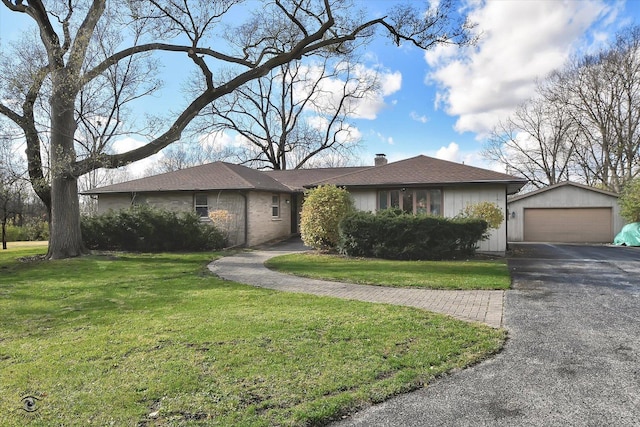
[[583, 124], [536, 142], [602, 93], [185, 154], [298, 112], [13, 184]]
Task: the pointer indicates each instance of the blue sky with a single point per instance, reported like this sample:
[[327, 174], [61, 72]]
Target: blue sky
[[451, 98], [442, 103]]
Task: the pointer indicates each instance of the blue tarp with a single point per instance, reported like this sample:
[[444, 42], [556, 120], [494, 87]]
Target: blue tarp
[[629, 235]]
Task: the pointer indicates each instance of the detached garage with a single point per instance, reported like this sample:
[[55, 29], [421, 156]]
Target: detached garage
[[564, 213]]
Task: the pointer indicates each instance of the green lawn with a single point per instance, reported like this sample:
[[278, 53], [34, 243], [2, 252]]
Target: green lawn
[[474, 274], [145, 340]]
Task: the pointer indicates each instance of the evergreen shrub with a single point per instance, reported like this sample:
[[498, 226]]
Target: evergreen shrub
[[147, 229], [393, 234]]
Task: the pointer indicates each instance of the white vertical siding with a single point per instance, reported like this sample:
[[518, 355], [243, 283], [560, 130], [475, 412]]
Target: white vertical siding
[[457, 198]]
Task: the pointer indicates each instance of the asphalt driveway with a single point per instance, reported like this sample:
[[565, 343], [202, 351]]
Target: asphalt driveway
[[572, 358]]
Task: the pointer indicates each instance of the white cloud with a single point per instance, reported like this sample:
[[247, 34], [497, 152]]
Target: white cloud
[[450, 152], [220, 139], [329, 92], [126, 144], [521, 42], [318, 122], [418, 118], [349, 134], [390, 82], [139, 168], [453, 153], [373, 102]]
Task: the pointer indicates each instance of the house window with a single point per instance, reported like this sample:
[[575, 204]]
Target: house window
[[202, 205], [407, 201], [435, 202], [413, 201], [275, 206], [383, 200], [394, 199]]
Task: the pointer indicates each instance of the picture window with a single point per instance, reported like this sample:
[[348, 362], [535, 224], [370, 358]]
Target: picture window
[[413, 201]]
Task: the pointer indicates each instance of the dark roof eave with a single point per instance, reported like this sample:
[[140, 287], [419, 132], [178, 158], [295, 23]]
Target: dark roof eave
[[183, 190], [519, 183]]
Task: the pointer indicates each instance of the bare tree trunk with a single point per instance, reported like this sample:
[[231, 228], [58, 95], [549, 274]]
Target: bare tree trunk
[[65, 238], [4, 234]]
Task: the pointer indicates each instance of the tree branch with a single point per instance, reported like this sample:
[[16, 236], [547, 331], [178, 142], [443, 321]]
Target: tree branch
[[115, 58], [83, 36]]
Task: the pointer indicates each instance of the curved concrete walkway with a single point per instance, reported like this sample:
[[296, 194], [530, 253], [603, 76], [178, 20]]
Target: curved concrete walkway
[[471, 306]]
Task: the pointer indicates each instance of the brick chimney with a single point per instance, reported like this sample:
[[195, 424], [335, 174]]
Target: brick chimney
[[380, 160]]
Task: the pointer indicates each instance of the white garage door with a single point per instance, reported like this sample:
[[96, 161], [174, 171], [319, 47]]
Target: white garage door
[[568, 225]]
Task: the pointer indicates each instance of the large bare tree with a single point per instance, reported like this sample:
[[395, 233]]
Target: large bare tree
[[298, 112], [73, 39]]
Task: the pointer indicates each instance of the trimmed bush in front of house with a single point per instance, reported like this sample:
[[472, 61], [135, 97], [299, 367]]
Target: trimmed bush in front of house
[[487, 211], [323, 208], [148, 229], [392, 234]]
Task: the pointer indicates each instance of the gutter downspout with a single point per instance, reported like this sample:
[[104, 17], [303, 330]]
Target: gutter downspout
[[246, 218], [506, 222]]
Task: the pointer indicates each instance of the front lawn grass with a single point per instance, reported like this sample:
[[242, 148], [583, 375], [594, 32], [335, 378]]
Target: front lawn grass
[[472, 274], [145, 340]]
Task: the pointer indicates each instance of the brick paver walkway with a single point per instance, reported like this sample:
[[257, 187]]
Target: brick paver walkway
[[472, 306]]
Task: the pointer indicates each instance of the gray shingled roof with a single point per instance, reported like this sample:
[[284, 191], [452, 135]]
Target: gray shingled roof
[[422, 170], [416, 171], [563, 184], [212, 176], [298, 179]]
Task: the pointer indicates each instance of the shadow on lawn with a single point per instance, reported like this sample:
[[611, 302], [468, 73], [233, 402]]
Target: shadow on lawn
[[100, 288]]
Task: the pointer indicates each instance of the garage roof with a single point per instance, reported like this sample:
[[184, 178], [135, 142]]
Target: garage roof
[[563, 184]]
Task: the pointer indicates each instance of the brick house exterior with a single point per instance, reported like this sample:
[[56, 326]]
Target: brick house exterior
[[265, 205]]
